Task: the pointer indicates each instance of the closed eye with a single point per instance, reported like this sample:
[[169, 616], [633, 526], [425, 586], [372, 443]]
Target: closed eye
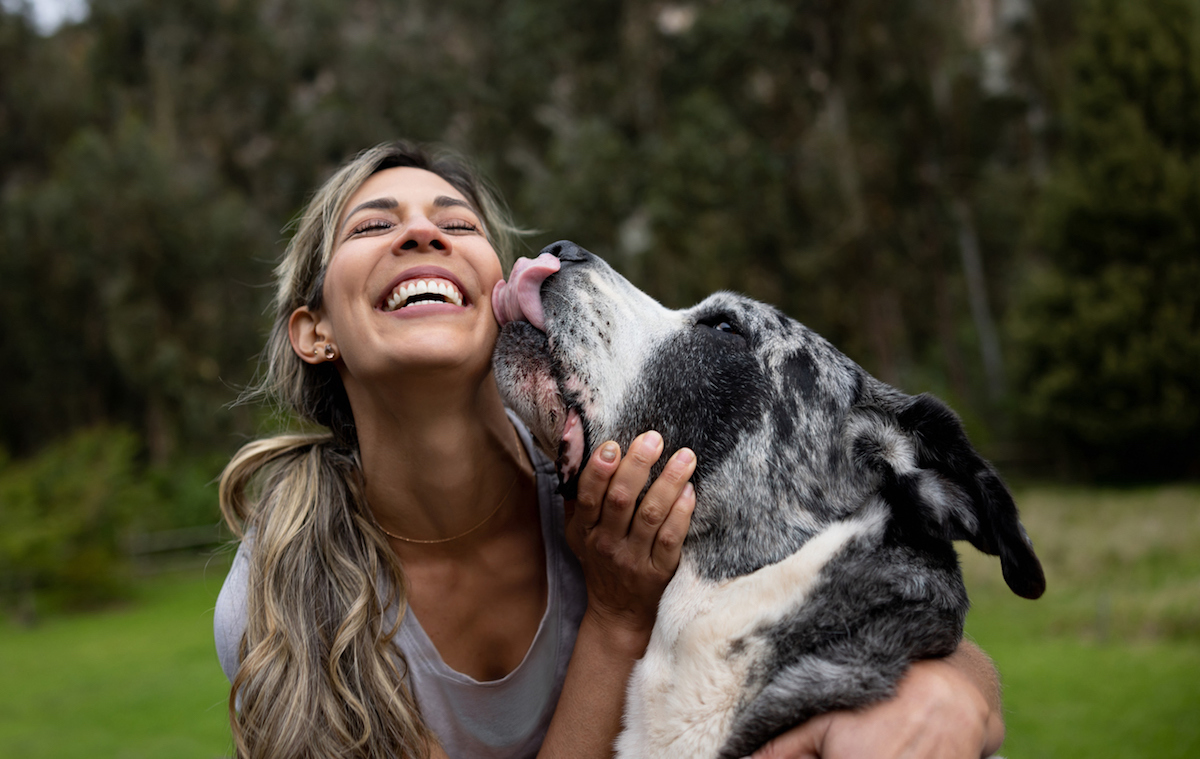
[[371, 225], [452, 226], [458, 226]]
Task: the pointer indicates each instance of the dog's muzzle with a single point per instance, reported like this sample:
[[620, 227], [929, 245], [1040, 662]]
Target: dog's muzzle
[[519, 300]]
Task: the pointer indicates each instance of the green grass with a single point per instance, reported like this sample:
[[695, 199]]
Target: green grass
[[137, 682], [1107, 664], [1065, 699]]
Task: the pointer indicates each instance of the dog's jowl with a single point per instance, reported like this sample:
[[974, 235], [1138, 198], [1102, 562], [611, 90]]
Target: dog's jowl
[[819, 563]]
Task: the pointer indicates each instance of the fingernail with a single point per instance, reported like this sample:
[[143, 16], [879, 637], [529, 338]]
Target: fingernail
[[651, 441], [685, 456], [608, 452], [689, 491]]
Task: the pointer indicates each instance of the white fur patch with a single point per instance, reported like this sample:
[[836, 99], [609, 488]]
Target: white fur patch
[[606, 376], [683, 694], [894, 446]]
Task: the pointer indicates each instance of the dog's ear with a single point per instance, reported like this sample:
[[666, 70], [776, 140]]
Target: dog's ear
[[927, 462]]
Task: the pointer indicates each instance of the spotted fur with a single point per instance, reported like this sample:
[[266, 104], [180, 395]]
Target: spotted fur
[[819, 563]]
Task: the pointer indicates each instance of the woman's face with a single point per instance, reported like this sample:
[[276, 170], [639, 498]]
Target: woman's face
[[410, 281]]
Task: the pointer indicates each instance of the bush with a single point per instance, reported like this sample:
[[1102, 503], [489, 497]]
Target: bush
[[184, 493], [63, 514]]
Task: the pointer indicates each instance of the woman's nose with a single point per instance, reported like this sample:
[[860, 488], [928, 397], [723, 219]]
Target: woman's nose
[[422, 234]]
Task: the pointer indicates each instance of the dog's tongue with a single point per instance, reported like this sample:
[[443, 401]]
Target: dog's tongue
[[519, 299]]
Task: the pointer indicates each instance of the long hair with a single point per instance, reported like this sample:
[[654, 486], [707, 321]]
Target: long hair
[[320, 674]]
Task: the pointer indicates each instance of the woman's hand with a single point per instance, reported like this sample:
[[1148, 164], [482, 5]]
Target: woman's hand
[[943, 709], [629, 552]]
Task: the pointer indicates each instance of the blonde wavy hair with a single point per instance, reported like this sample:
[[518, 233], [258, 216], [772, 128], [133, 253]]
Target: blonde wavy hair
[[320, 674]]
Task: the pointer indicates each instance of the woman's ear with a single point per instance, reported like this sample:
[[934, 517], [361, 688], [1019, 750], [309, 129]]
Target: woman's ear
[[311, 336]]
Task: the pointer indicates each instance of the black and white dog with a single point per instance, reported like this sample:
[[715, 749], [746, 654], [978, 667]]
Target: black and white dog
[[819, 562]]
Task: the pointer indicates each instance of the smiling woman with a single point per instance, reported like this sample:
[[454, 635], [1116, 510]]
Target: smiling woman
[[425, 501], [408, 229]]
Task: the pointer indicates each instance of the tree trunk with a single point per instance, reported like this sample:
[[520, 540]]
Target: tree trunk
[[981, 312]]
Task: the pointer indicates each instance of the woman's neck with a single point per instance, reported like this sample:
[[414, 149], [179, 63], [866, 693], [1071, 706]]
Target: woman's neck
[[437, 460]]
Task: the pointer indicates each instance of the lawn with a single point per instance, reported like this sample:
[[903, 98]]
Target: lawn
[[1107, 664], [139, 682]]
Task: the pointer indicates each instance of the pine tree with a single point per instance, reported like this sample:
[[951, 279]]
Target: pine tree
[[1110, 331]]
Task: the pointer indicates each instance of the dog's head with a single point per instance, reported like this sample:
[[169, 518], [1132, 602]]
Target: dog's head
[[789, 433]]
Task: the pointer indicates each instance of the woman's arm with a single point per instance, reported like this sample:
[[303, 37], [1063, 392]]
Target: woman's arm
[[943, 709], [629, 553]]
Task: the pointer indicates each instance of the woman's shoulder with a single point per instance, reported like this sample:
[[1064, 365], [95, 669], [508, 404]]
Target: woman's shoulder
[[229, 616]]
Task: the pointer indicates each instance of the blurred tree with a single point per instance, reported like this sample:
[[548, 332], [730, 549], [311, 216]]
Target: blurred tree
[[1110, 328], [805, 153], [44, 96], [129, 308], [65, 513]]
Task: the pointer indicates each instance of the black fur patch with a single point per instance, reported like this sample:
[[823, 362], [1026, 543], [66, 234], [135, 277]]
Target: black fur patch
[[878, 608], [792, 436]]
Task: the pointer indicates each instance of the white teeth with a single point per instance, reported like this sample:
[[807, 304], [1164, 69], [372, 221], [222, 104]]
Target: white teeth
[[402, 294]]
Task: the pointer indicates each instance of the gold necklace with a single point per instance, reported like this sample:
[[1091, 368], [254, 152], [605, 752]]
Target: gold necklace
[[459, 535]]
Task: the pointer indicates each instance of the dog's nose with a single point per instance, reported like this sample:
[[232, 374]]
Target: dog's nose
[[567, 252]]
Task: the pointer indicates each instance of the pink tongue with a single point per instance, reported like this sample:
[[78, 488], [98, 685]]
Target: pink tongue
[[520, 297]]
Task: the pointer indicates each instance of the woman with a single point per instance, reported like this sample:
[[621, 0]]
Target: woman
[[404, 587]]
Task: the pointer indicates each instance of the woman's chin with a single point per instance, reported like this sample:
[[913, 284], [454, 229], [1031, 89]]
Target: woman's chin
[[442, 341], [468, 362]]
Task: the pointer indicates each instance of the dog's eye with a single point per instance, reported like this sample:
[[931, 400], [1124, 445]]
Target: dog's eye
[[720, 323]]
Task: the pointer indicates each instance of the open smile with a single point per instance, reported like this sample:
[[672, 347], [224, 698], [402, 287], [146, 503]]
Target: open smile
[[423, 291], [422, 288]]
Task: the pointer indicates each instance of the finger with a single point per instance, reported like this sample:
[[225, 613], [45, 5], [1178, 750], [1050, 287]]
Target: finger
[[662, 495], [803, 742], [669, 541], [593, 484], [627, 483]]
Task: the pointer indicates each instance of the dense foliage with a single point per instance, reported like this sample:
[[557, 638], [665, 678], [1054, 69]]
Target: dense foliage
[[1109, 332], [63, 520], [908, 177]]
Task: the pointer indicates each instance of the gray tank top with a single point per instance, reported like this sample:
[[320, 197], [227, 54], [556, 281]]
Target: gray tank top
[[494, 719]]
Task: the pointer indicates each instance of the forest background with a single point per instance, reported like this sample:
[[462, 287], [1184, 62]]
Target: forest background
[[997, 201]]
